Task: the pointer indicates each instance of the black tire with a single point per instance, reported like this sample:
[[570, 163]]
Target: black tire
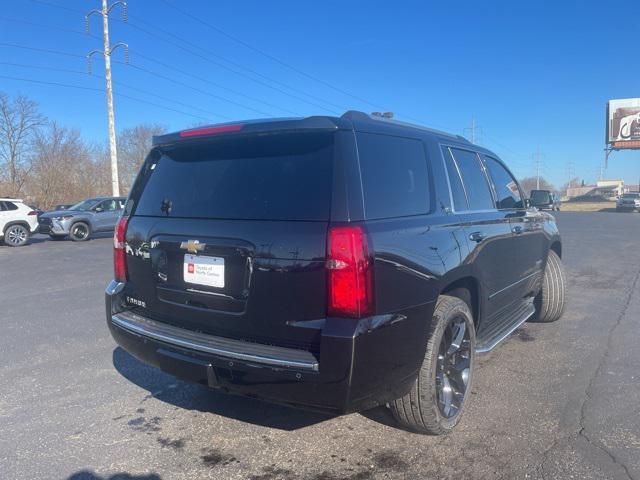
[[551, 300], [16, 235], [79, 232], [56, 237], [423, 409]]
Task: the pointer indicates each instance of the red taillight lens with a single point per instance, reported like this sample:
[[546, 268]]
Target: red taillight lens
[[119, 242], [32, 212], [349, 272], [211, 130]]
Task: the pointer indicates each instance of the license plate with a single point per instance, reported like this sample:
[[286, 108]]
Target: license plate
[[201, 270]]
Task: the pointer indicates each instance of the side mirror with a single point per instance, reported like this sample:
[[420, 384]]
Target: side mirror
[[527, 203], [98, 209]]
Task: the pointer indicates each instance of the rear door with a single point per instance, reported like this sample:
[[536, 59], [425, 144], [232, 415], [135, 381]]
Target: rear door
[[529, 240], [228, 235], [488, 230]]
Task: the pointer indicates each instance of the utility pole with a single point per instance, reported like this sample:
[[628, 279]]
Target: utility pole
[[108, 50], [472, 130], [570, 174], [538, 168]]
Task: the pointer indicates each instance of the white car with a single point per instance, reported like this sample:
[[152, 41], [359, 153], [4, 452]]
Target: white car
[[17, 221]]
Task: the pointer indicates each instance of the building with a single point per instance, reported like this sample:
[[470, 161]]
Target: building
[[602, 189]]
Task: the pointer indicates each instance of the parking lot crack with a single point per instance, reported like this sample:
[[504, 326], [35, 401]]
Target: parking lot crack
[[583, 432], [588, 394]]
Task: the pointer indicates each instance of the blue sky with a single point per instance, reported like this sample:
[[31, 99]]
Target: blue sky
[[533, 74]]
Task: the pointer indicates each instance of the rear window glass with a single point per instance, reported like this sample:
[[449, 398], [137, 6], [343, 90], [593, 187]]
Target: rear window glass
[[395, 179], [271, 177]]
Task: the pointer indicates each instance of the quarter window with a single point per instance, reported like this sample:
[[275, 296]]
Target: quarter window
[[507, 190], [474, 180], [395, 179]]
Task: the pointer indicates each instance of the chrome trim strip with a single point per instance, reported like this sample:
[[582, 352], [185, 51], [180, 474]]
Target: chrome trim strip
[[238, 349], [514, 284], [492, 345]]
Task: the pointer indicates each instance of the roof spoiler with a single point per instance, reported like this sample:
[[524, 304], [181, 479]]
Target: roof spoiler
[[248, 127]]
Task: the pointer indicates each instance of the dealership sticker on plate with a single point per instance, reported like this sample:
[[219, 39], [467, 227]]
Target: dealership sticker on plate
[[204, 270]]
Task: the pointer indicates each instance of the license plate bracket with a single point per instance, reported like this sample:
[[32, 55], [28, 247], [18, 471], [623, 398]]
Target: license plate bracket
[[204, 270]]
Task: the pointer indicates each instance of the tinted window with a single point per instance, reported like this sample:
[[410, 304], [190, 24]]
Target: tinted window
[[507, 191], [273, 177], [457, 190], [474, 179], [395, 179], [10, 206]]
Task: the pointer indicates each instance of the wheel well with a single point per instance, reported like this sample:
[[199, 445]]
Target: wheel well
[[557, 247], [465, 289], [17, 222]]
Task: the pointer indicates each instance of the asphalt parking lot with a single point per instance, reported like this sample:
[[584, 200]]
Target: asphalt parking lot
[[554, 401]]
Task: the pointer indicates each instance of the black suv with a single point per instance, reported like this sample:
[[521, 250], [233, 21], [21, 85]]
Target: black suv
[[331, 263], [544, 199]]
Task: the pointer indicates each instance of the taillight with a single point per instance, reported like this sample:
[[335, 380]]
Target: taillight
[[211, 130], [349, 272], [119, 242], [32, 212]]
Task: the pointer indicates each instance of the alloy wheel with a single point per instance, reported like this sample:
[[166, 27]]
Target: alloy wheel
[[453, 367], [16, 235], [80, 232]]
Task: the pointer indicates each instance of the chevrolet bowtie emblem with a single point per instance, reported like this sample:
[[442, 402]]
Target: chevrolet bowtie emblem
[[193, 246]]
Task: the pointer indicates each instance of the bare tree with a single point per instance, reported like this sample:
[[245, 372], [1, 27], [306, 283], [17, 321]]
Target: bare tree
[[133, 145], [63, 168], [530, 183], [20, 119]]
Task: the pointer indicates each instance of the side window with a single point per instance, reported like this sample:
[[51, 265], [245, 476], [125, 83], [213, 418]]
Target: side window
[[457, 190], [395, 178], [2, 207], [507, 190], [474, 179], [10, 206]]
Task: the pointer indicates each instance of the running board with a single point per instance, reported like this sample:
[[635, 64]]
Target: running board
[[502, 330]]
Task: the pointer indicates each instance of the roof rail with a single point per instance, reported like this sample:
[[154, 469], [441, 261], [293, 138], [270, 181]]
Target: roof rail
[[365, 117]]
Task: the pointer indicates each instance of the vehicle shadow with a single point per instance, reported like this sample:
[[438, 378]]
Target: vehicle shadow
[[188, 396], [87, 475]]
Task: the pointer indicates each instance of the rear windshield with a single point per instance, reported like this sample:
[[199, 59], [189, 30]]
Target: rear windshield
[[272, 177]]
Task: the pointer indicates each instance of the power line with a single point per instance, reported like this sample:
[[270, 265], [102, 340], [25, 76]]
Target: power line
[[205, 80], [235, 64], [48, 27], [182, 84], [137, 67], [203, 57], [271, 57], [93, 89], [153, 34], [119, 83], [150, 59]]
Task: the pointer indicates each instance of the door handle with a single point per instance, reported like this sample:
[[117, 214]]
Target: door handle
[[517, 229], [477, 237]]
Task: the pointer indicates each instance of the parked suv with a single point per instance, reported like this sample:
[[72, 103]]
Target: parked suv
[[97, 214], [628, 202], [17, 222], [331, 263], [545, 200]]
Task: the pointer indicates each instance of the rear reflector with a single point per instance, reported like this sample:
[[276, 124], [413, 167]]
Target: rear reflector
[[211, 130], [349, 273], [119, 254]]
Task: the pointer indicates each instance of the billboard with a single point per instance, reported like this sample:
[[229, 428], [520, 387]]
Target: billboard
[[623, 123]]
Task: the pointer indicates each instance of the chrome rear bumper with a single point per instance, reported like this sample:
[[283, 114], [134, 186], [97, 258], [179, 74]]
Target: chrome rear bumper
[[224, 347]]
